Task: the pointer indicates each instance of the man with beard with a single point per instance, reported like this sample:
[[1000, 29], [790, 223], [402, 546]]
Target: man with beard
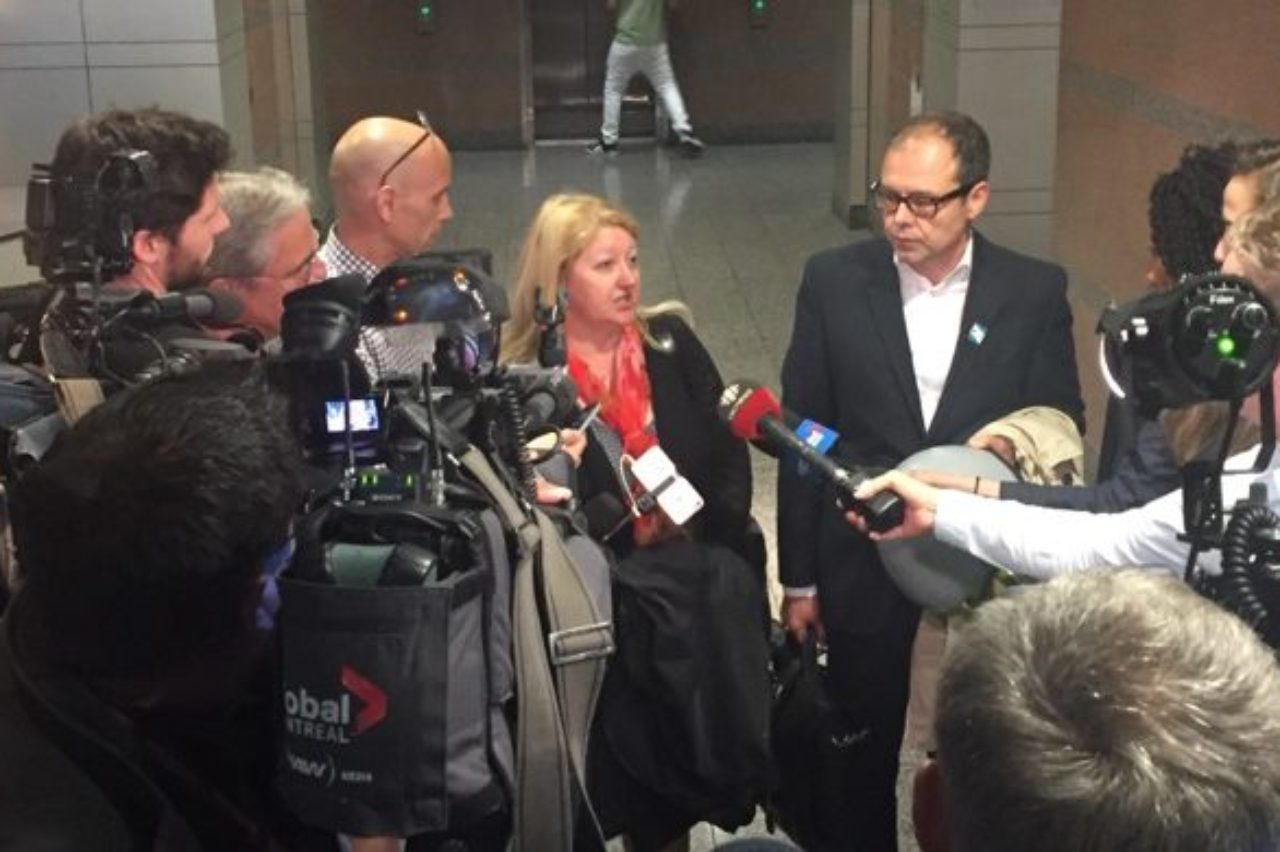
[[177, 213], [168, 213]]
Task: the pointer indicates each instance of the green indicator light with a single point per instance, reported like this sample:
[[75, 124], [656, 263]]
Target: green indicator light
[[1225, 346], [425, 10]]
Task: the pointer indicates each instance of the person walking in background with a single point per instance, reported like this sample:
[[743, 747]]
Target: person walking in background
[[640, 47]]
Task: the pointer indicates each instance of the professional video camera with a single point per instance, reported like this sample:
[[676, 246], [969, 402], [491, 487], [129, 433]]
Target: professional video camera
[[421, 580], [390, 428], [1211, 338], [79, 233]]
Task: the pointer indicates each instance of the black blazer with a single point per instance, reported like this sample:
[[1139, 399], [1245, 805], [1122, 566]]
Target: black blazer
[[849, 366], [685, 388]]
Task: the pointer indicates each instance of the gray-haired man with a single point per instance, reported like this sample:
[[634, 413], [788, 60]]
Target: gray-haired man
[[1104, 710], [270, 248]]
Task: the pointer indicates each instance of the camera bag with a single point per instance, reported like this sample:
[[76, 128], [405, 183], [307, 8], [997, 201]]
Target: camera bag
[[404, 629]]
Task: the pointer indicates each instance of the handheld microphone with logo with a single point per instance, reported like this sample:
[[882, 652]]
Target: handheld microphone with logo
[[754, 414]]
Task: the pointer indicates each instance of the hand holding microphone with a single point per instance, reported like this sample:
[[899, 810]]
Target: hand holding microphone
[[917, 500], [754, 414]]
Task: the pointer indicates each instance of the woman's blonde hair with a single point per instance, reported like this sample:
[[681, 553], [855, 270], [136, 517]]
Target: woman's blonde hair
[[562, 229], [1255, 237]]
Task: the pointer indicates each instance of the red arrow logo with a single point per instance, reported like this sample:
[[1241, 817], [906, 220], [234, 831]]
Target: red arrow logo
[[375, 700]]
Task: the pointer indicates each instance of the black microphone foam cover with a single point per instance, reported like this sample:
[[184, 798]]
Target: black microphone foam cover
[[214, 307]]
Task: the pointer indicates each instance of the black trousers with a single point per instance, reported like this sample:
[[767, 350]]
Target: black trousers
[[869, 678]]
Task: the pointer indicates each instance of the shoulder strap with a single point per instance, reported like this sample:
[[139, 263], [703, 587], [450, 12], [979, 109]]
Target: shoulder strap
[[552, 728]]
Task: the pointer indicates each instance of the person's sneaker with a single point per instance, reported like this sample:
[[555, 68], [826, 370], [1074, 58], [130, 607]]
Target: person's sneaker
[[602, 147], [691, 145]]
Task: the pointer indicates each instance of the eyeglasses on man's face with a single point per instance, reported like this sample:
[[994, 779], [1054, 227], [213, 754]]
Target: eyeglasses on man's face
[[921, 204], [426, 134]]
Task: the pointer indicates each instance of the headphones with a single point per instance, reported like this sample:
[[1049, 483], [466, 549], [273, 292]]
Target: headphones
[[74, 222], [124, 175]]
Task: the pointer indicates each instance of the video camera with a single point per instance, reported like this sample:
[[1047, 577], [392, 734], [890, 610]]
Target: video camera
[[1211, 338], [79, 233], [80, 228], [384, 381]]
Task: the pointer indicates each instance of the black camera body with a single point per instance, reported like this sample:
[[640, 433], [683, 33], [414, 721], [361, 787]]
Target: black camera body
[[1211, 337], [80, 228], [384, 433]]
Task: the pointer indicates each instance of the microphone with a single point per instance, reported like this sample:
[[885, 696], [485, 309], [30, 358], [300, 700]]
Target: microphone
[[754, 414], [208, 307], [552, 351]]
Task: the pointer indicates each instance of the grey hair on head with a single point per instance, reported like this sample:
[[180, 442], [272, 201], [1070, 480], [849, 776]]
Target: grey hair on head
[[1109, 710], [257, 203]]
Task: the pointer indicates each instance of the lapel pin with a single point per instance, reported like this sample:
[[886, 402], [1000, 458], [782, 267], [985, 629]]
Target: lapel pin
[[977, 333]]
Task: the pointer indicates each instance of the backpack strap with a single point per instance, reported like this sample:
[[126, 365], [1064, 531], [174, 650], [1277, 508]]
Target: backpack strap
[[569, 653], [579, 640]]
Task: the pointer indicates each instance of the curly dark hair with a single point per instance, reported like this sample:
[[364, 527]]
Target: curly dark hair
[[188, 153], [143, 532], [1185, 209]]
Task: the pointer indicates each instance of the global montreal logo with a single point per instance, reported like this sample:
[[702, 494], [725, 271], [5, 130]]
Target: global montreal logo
[[330, 719]]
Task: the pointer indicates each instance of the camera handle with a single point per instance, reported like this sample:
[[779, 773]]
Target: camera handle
[[1202, 482]]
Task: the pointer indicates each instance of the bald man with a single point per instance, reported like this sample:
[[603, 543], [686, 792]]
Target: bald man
[[390, 181]]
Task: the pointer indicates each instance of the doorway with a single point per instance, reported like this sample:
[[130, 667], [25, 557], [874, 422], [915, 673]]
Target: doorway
[[570, 43]]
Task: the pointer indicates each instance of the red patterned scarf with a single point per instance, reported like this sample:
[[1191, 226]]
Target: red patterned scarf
[[624, 398]]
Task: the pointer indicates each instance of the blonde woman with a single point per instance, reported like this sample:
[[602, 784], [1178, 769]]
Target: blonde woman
[[654, 381]]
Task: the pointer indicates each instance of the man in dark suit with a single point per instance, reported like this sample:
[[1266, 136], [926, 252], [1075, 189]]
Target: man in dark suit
[[914, 339]]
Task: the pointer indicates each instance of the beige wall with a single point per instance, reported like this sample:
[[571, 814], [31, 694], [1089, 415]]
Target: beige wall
[[1139, 80], [62, 58]]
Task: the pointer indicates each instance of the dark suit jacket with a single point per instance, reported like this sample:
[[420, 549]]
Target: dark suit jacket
[[849, 366]]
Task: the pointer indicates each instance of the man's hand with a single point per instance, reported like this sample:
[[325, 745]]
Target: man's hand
[[573, 442], [921, 505], [800, 614], [997, 444], [548, 493]]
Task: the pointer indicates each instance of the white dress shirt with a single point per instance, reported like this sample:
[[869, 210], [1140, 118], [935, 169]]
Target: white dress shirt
[[1041, 543], [933, 313]]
